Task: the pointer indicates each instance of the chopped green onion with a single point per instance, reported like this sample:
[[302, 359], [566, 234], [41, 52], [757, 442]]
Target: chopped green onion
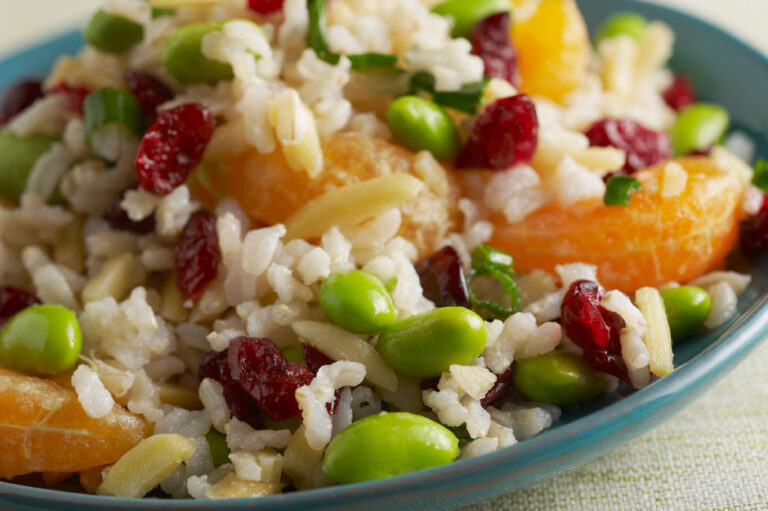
[[760, 177], [293, 354], [619, 190], [484, 255], [503, 278], [468, 99], [373, 62], [391, 284], [217, 444], [421, 82], [110, 113], [159, 12], [316, 32]]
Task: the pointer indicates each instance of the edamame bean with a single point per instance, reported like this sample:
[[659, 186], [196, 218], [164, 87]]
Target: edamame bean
[[111, 33], [387, 445], [687, 307], [558, 377], [624, 23], [183, 55], [421, 124], [427, 344], [19, 157], [698, 127], [357, 301], [217, 443], [465, 14], [41, 339]]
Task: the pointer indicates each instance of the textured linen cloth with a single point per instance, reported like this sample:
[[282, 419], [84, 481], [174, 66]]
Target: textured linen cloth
[[711, 456]]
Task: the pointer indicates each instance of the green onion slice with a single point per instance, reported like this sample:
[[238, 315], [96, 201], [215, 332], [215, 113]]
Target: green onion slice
[[468, 99], [503, 278], [316, 33], [110, 113], [484, 255], [373, 62], [619, 190], [760, 177], [159, 12]]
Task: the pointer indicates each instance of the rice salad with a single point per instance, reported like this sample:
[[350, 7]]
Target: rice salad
[[267, 246]]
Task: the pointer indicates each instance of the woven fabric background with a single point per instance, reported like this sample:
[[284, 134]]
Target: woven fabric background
[[711, 456]]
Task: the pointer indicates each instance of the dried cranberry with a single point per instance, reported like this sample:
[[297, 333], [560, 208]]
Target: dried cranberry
[[173, 146], [216, 366], [442, 278], [265, 6], [13, 300], [491, 42], [593, 328], [148, 91], [680, 93], [505, 134], [315, 359], [18, 97], [75, 95], [429, 383], [754, 233], [263, 372], [500, 389], [118, 219], [644, 147], [197, 254]]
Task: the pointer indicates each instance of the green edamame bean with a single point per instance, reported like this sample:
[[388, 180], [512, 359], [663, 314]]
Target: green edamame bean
[[217, 443], [624, 23], [41, 339], [111, 33], [421, 124], [387, 445], [427, 344], [558, 377], [698, 127], [183, 55], [357, 301], [19, 157], [687, 307], [467, 13]]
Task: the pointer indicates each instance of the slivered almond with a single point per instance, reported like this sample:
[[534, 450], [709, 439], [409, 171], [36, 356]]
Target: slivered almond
[[657, 336]]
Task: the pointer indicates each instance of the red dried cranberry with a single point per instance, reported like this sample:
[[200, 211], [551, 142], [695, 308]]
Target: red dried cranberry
[[18, 97], [75, 95], [442, 278], [118, 219], [148, 91], [680, 93], [315, 359], [500, 389], [644, 147], [197, 254], [491, 42], [263, 372], [505, 134], [173, 146], [593, 328], [754, 233], [216, 366], [429, 383], [265, 6], [13, 300]]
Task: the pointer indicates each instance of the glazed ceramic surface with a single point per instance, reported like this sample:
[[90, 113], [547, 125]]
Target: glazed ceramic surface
[[725, 71]]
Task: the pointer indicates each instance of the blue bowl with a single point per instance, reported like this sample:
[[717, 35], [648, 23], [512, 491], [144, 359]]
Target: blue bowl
[[726, 71]]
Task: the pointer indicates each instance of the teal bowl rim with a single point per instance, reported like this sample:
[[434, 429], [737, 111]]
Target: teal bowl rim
[[557, 445]]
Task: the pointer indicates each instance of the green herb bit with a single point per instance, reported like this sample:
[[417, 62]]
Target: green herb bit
[[619, 190], [484, 255], [316, 33], [373, 62], [391, 285], [505, 280], [468, 99], [760, 177], [159, 12]]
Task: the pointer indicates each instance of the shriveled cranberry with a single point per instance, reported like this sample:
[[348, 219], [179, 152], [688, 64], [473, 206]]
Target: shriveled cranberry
[[754, 233], [680, 93], [216, 366], [429, 383], [644, 147], [197, 254], [593, 328], [263, 372], [118, 219], [500, 389], [265, 6], [491, 42], [173, 146], [315, 359], [13, 300], [18, 97], [505, 133], [442, 278], [148, 91], [75, 95]]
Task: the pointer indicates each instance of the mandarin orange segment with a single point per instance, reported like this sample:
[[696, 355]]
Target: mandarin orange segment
[[652, 241], [43, 428], [554, 47]]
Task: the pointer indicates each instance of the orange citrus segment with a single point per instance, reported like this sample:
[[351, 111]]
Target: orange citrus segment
[[652, 241], [554, 47], [43, 428]]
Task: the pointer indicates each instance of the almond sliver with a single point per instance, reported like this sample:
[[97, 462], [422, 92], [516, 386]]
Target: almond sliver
[[657, 336]]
